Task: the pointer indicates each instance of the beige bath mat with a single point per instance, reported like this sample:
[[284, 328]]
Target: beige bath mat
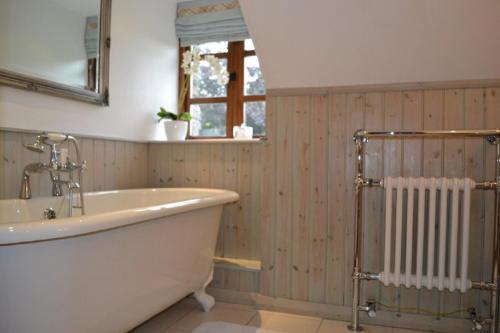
[[221, 327]]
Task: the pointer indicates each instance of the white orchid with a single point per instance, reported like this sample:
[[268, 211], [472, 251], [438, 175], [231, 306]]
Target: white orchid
[[219, 72], [191, 62]]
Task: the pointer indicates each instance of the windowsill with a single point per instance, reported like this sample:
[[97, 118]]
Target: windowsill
[[222, 140]]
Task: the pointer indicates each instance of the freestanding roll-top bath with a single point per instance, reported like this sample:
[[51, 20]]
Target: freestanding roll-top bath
[[133, 254]]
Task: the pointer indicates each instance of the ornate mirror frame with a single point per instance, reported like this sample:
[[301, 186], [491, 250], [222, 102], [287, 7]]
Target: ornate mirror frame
[[101, 97]]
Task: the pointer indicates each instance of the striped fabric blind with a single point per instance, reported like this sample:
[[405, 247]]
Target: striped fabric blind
[[202, 21]]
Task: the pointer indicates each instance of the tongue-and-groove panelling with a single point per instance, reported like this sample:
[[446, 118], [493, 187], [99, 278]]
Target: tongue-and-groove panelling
[[307, 221], [111, 164], [231, 165]]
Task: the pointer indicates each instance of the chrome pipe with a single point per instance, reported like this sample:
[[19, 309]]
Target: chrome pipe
[[363, 134], [496, 245], [356, 281], [81, 163], [482, 285], [369, 182]]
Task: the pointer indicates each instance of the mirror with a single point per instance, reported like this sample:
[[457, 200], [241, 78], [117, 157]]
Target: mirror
[[60, 47]]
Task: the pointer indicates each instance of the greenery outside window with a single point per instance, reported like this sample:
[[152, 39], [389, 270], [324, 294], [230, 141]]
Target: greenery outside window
[[217, 108]]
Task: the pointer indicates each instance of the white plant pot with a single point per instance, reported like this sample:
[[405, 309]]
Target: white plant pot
[[176, 130]]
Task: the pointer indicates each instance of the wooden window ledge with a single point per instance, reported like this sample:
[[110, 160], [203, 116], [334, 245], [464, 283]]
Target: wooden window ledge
[[222, 140]]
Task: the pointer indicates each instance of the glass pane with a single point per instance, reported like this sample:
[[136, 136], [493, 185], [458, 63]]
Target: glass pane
[[208, 119], [212, 47], [249, 45], [254, 83], [255, 116], [205, 84]]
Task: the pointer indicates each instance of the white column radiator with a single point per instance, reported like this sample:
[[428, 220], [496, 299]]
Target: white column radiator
[[415, 209]]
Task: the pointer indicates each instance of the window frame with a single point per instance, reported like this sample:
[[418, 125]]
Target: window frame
[[236, 98]]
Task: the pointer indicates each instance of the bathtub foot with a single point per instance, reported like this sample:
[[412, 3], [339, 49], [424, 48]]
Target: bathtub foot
[[206, 301]]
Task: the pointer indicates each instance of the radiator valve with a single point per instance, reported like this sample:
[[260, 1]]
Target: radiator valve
[[477, 323], [370, 308]]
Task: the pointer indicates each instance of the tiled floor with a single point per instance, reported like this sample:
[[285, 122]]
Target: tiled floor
[[186, 315]]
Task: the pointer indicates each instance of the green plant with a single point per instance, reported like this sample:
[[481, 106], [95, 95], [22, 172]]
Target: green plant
[[164, 114]]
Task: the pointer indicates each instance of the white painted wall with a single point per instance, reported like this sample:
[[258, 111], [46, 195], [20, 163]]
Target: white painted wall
[[315, 43], [143, 77]]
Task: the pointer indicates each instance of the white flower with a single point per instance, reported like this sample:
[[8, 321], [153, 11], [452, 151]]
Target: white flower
[[187, 58], [191, 65]]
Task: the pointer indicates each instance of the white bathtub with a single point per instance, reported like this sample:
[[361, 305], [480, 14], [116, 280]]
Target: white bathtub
[[133, 254]]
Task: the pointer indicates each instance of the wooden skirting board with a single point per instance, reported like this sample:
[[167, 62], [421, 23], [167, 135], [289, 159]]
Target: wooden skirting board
[[343, 313]]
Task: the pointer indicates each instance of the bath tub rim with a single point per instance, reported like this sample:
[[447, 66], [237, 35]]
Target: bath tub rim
[[17, 233]]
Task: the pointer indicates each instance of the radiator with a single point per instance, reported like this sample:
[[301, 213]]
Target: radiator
[[414, 208]]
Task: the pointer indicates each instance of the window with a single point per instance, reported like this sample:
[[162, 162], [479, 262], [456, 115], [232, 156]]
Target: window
[[216, 108]]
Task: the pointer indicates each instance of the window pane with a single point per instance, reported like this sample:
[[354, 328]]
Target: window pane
[[255, 116], [205, 84], [208, 119], [249, 45], [254, 83], [213, 47]]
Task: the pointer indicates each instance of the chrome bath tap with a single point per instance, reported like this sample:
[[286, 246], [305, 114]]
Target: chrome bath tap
[[59, 163]]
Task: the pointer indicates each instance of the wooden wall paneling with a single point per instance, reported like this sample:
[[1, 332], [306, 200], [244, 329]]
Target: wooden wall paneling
[[178, 150], [153, 158], [243, 209], [249, 281], [318, 225], [87, 151], [354, 121], [474, 169], [133, 165], [138, 167], [284, 154], [453, 166], [217, 181], [393, 119], [268, 200], [492, 119], [99, 161], [255, 203], [101, 173], [232, 279], [164, 164], [337, 200], [373, 199], [3, 162], [432, 167], [190, 165], [218, 280], [120, 160], [13, 164], [130, 166], [204, 166], [413, 117], [145, 158], [301, 222], [28, 156], [109, 165], [231, 211]]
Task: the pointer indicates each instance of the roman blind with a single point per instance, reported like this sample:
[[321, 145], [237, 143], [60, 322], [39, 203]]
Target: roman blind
[[92, 36], [202, 21]]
